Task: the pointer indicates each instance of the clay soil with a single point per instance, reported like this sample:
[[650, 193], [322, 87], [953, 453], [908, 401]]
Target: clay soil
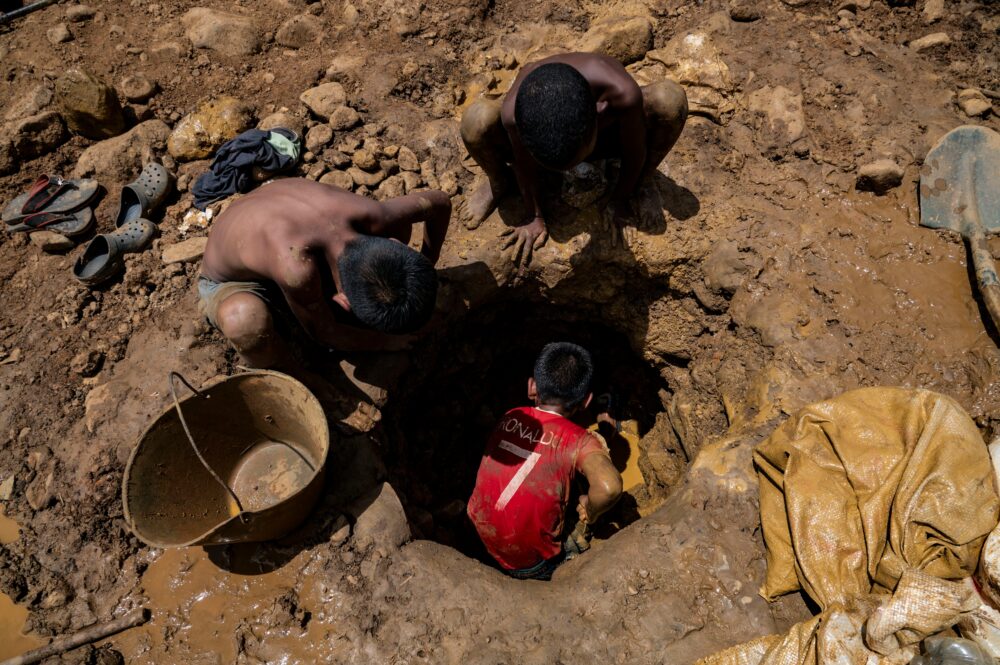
[[760, 280]]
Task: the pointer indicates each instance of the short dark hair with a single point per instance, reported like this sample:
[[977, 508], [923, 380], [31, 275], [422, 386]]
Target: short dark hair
[[391, 287], [562, 374], [555, 113]]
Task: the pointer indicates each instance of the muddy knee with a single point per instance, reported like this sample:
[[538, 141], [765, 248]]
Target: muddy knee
[[481, 123], [666, 103], [246, 322]]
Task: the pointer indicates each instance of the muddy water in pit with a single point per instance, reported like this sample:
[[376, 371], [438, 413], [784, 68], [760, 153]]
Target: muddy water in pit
[[12, 641]]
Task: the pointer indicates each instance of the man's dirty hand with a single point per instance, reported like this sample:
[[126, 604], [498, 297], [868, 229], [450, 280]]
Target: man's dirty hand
[[525, 240]]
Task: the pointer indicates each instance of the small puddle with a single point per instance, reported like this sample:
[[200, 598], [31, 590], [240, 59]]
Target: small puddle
[[200, 610], [9, 530], [12, 616]]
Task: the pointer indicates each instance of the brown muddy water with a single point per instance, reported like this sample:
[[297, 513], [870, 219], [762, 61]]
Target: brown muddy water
[[12, 616]]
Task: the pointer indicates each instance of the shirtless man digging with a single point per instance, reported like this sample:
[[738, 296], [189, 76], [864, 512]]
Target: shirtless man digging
[[339, 261], [559, 112]]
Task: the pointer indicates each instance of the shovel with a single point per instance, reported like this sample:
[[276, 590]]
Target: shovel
[[960, 191]]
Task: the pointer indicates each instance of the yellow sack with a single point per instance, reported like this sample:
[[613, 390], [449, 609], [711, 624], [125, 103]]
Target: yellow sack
[[856, 489]]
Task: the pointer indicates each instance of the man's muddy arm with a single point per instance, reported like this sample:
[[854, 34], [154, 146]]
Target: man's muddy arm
[[632, 125], [605, 487], [526, 172], [431, 207]]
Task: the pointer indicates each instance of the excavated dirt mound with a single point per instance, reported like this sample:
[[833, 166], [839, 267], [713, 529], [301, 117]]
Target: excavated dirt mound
[[761, 279]]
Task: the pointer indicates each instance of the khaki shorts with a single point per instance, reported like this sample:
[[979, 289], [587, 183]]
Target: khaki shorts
[[211, 294]]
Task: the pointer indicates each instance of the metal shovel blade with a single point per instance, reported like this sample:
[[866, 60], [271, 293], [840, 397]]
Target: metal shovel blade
[[960, 190], [960, 177]]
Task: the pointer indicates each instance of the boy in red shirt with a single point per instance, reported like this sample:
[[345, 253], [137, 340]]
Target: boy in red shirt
[[519, 503]]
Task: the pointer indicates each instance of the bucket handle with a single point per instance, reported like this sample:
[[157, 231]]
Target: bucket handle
[[180, 414]]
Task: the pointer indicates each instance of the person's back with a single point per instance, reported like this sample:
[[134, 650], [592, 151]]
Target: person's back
[[523, 485], [518, 506]]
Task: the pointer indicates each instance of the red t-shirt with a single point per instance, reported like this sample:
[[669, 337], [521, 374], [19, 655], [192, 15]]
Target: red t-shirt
[[523, 485]]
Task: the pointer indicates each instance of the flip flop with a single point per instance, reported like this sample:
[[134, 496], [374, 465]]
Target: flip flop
[[69, 224], [145, 194], [104, 256], [50, 194]]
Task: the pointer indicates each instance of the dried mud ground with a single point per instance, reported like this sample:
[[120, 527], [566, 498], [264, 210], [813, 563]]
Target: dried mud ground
[[764, 281]]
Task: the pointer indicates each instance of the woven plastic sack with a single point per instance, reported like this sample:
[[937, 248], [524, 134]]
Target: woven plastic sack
[[859, 488], [870, 503]]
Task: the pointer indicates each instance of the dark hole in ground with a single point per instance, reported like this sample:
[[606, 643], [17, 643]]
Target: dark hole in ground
[[462, 382]]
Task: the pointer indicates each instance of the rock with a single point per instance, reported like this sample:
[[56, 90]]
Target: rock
[[974, 103], [318, 137], [693, 61], [324, 99], [32, 103], [364, 159], [342, 66], [166, 51], [336, 159], [344, 118], [80, 13], [380, 521], [340, 179], [37, 135], [39, 493], [364, 178], [782, 108], [216, 121], [185, 251], [89, 106], [7, 488], [299, 31], [137, 88], [118, 159], [407, 160], [448, 183], [51, 242], [930, 41], [879, 176], [625, 38], [745, 11], [341, 531], [933, 11], [87, 363], [59, 34], [283, 119], [229, 34], [390, 188], [410, 181]]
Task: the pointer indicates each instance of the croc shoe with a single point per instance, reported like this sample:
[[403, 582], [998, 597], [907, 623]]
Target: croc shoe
[[144, 194], [104, 256]]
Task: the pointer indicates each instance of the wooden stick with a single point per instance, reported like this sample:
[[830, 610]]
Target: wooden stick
[[90, 634], [33, 7]]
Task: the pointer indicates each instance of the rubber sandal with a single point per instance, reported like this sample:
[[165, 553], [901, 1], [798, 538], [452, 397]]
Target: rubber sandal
[[50, 194], [144, 194], [103, 257], [69, 224]]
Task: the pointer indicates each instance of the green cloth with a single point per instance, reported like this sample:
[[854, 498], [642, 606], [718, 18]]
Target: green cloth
[[285, 145]]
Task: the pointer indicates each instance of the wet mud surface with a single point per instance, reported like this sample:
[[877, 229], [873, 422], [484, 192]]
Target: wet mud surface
[[760, 279]]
